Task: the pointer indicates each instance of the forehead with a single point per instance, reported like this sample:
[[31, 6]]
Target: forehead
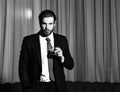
[[48, 19]]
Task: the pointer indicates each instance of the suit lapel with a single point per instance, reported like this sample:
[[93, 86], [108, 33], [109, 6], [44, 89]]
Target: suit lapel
[[55, 40]]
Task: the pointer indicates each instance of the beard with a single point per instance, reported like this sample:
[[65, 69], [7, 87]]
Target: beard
[[47, 32]]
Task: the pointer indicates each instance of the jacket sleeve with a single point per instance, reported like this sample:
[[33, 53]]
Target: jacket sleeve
[[23, 64], [68, 62]]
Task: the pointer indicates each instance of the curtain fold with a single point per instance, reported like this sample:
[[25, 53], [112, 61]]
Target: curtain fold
[[91, 27], [99, 40], [2, 33], [8, 44]]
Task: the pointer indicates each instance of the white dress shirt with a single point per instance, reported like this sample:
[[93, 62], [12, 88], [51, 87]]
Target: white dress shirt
[[43, 47]]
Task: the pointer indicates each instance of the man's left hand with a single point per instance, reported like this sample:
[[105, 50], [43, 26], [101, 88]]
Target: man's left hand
[[59, 53]]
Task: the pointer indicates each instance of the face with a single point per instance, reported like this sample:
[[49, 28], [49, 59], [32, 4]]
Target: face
[[48, 25]]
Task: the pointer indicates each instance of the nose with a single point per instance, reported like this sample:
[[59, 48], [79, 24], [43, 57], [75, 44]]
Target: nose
[[46, 26]]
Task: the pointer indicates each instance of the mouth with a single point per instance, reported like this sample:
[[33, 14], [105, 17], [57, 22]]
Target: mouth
[[47, 31]]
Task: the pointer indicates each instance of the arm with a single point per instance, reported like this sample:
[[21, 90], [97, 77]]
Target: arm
[[64, 54], [23, 65], [68, 60]]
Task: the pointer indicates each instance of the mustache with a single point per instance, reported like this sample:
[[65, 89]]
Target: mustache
[[47, 29]]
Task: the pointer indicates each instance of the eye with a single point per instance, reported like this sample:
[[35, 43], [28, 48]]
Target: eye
[[50, 23]]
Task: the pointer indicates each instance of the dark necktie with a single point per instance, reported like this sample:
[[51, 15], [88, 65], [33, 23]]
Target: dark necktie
[[50, 60]]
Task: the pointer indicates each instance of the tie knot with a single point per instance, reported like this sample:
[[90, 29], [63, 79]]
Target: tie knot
[[48, 39]]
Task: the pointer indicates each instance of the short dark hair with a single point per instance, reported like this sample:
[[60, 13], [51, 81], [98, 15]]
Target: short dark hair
[[46, 13]]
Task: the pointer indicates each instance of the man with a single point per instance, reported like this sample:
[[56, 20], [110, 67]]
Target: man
[[35, 56]]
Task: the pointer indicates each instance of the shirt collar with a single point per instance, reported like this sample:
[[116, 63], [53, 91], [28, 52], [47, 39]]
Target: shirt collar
[[50, 36]]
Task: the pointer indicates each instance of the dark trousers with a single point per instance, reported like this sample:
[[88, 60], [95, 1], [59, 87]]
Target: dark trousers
[[44, 87]]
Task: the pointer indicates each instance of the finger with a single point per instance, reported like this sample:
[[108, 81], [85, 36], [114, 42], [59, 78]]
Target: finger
[[57, 48], [57, 52]]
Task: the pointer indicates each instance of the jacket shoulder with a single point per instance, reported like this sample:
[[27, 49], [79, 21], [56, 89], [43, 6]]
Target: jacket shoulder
[[30, 36], [60, 36]]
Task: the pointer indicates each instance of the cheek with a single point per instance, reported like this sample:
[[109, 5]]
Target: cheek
[[51, 27]]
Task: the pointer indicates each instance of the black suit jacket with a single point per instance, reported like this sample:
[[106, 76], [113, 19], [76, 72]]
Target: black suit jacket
[[30, 66]]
